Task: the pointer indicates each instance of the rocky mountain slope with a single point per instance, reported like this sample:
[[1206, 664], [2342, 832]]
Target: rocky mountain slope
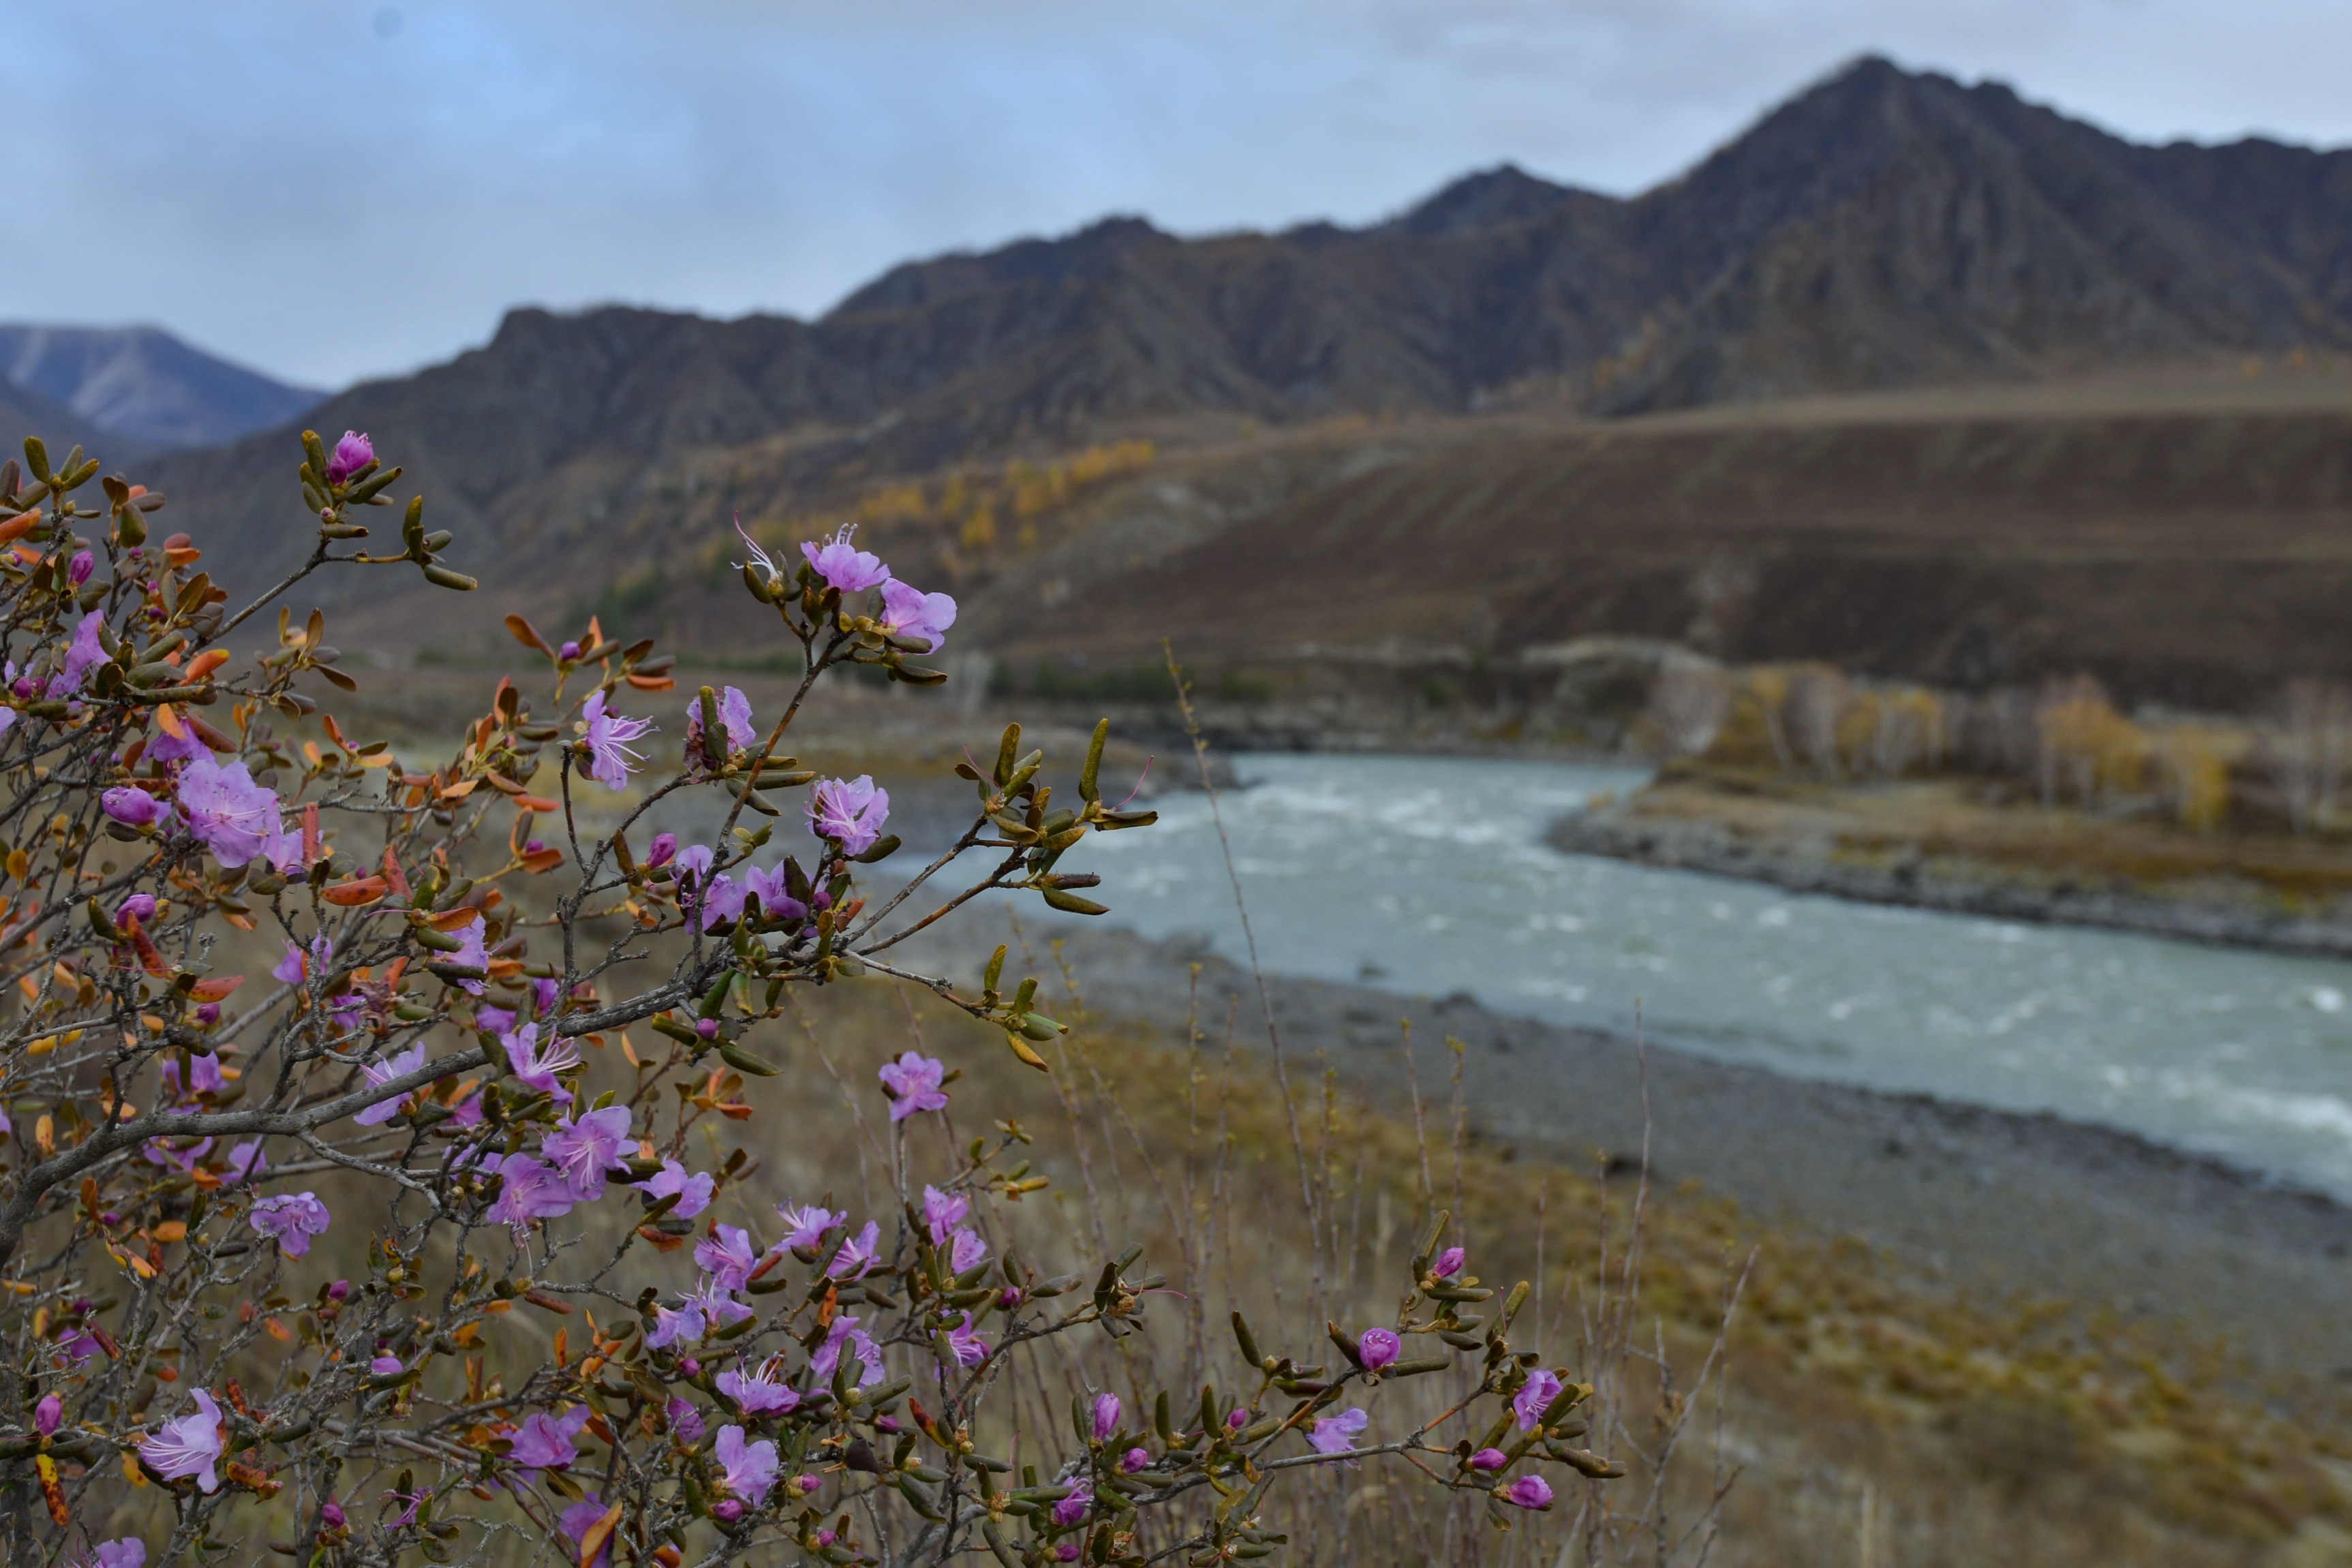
[[143, 385]]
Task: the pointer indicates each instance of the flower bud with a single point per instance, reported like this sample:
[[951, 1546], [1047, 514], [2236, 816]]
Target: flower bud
[[568, 652], [1449, 1263], [49, 1414], [352, 452], [1378, 1348], [84, 563], [134, 807], [1133, 1460], [1528, 1491], [707, 1028], [331, 1515], [664, 851], [1489, 1459], [1106, 1415]]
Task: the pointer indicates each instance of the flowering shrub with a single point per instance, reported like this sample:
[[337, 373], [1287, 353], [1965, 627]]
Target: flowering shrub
[[261, 1237]]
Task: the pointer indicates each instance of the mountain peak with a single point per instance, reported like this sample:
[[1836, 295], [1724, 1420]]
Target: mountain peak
[[144, 383], [1489, 199]]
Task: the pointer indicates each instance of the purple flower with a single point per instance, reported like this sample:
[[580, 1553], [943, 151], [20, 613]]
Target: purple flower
[[684, 1420], [693, 862], [850, 811], [913, 1083], [845, 1334], [1236, 1418], [967, 1347], [532, 1190], [83, 564], [473, 955], [291, 1218], [771, 888], [545, 1443], [965, 1250], [568, 652], [717, 1304], [1539, 1390], [124, 1552], [721, 902], [48, 1415], [407, 1516], [1449, 1263], [726, 1257], [229, 813], [140, 907], [351, 454], [1073, 1508], [750, 1468], [160, 1152], [1337, 1433], [734, 717], [663, 849], [681, 1325], [1378, 1348], [383, 1111], [385, 1365], [856, 1255], [83, 654], [135, 808], [843, 565], [910, 612], [494, 1019], [693, 1191], [166, 748], [805, 1227], [609, 734], [536, 1067], [1489, 1459], [1106, 1415], [331, 1515], [757, 1393], [943, 1211], [297, 966], [1134, 1459], [188, 1446], [580, 1517], [585, 1147], [1528, 1491]]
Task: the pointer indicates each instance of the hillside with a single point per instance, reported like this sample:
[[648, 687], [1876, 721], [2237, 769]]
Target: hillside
[[142, 384]]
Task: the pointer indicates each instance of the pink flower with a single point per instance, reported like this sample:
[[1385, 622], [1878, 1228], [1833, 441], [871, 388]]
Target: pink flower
[[1539, 1390], [693, 1191], [749, 1470], [385, 1365], [124, 1552], [612, 758], [965, 1250], [83, 564], [771, 888], [351, 454], [1528, 1491], [1134, 1459], [48, 1415], [583, 1148], [849, 811], [943, 1211], [759, 1393], [967, 1347], [910, 612], [83, 654], [473, 955], [664, 847], [1337, 1433], [1378, 1348], [291, 1219], [246, 1162], [531, 1190], [545, 1443], [843, 565], [856, 1255], [913, 1085], [1073, 1508], [680, 1325], [734, 717], [134, 807], [845, 1334], [1489, 1459], [297, 966], [726, 1257], [805, 1227], [229, 813], [717, 1304], [383, 1111], [536, 1067], [580, 1517], [1449, 1263], [684, 1420], [188, 1446], [1106, 1415]]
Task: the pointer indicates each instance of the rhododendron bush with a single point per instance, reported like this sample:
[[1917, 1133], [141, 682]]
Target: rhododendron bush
[[264, 1236]]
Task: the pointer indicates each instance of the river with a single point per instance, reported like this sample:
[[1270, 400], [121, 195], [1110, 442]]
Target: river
[[1431, 875]]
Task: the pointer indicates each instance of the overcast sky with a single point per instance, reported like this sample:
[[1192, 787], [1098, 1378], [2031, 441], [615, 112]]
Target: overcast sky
[[333, 189]]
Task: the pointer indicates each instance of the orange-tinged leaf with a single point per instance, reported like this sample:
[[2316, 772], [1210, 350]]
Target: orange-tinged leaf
[[459, 790], [351, 894], [206, 662], [456, 919], [652, 683], [543, 860], [169, 718], [523, 632], [591, 1546], [501, 782], [216, 987], [17, 526], [278, 1331], [529, 803]]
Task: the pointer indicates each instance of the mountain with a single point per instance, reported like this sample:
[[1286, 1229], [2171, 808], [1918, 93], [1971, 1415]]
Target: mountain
[[1884, 229], [143, 384]]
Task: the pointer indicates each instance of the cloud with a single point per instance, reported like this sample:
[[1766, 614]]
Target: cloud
[[335, 188]]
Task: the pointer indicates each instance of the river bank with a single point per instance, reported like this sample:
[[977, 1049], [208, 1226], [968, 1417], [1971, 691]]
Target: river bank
[[1929, 846]]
